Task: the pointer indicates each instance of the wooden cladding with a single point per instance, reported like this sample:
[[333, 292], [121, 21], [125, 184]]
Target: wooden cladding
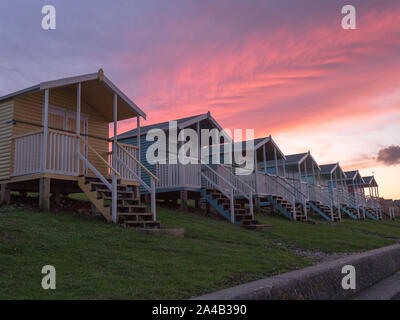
[[29, 110], [6, 127]]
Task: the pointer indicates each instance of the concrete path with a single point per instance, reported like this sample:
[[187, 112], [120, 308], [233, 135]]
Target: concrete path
[[324, 281], [387, 289]]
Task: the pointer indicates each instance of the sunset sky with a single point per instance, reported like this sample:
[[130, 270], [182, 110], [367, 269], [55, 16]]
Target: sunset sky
[[282, 67]]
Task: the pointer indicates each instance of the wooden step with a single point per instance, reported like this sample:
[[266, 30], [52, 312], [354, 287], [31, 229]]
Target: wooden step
[[257, 226], [120, 198], [142, 224], [137, 217]]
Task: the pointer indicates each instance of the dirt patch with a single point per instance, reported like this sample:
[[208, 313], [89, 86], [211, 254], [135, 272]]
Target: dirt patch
[[316, 255], [58, 204]]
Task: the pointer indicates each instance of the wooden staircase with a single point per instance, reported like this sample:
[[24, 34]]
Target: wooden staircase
[[333, 216], [241, 214], [280, 205], [373, 213], [385, 216], [130, 213], [353, 211]]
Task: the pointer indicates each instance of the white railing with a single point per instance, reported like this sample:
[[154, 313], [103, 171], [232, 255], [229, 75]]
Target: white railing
[[123, 149], [61, 153], [372, 203], [240, 187], [361, 199], [126, 156], [168, 175], [211, 179], [269, 184], [177, 175], [191, 175], [27, 153]]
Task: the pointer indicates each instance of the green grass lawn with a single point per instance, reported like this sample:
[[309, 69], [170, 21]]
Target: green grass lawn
[[96, 260], [329, 237]]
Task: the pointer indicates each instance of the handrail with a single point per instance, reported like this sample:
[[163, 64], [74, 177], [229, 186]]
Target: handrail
[[128, 145], [62, 132], [214, 183], [98, 155], [97, 173], [27, 134], [219, 176], [251, 190], [138, 162], [298, 191]]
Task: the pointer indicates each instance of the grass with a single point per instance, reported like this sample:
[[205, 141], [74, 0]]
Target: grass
[[325, 236], [96, 260]]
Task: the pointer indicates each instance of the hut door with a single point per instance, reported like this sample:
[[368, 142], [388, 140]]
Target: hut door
[[71, 126], [65, 120]]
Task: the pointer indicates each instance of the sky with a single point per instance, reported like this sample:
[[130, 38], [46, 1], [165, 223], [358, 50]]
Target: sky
[[282, 67]]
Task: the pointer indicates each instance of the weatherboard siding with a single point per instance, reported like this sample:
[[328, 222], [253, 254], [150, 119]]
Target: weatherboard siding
[[29, 108], [144, 145], [6, 115]]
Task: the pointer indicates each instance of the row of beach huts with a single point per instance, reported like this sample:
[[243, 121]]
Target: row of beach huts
[[54, 140]]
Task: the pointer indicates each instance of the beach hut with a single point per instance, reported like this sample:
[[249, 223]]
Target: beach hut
[[357, 200], [54, 139], [195, 178], [371, 191]]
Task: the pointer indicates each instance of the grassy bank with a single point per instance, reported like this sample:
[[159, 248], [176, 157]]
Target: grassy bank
[[96, 260]]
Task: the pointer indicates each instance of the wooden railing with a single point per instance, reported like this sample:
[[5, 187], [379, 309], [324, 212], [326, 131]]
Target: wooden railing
[[211, 179], [240, 187], [126, 161], [105, 162], [168, 175], [27, 153], [61, 153], [177, 175]]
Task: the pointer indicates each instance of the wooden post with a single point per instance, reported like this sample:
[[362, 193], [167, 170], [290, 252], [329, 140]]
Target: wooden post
[[184, 200], [78, 124], [114, 150], [44, 194], [264, 159], [153, 199], [199, 153], [256, 181], [306, 170], [4, 195], [284, 168], [45, 130], [313, 172], [276, 161], [299, 169], [138, 145], [232, 205]]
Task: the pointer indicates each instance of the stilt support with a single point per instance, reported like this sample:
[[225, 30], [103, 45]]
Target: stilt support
[[4, 195], [184, 197], [44, 196]]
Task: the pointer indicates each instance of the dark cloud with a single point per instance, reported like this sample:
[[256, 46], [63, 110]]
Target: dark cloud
[[389, 156]]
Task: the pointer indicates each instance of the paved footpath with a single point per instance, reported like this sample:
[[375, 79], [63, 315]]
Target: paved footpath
[[387, 289], [377, 276]]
